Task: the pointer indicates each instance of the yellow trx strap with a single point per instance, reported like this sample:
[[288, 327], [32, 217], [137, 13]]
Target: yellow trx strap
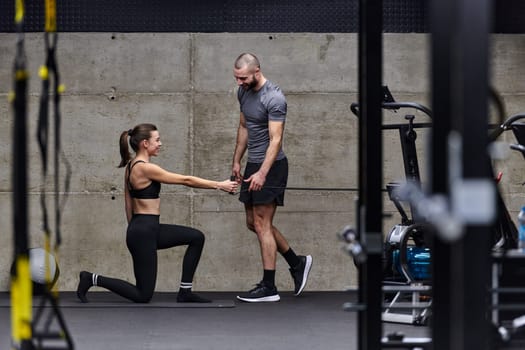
[[51, 16], [21, 285], [21, 302], [19, 11], [49, 323]]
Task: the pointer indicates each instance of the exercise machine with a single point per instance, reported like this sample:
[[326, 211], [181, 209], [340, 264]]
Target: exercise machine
[[403, 246], [507, 290], [406, 266]]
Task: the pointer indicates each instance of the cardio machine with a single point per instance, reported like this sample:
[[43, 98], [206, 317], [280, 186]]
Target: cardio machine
[[508, 262], [406, 257]]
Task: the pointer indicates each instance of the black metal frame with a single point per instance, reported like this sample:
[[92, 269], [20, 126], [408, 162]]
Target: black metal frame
[[370, 202], [459, 82], [442, 28]]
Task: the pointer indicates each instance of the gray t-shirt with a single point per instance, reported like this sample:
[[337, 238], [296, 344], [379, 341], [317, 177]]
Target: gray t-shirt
[[258, 108]]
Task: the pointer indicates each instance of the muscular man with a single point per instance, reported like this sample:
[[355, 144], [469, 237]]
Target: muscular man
[[261, 128]]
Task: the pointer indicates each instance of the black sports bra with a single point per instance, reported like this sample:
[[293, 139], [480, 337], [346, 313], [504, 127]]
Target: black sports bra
[[149, 192]]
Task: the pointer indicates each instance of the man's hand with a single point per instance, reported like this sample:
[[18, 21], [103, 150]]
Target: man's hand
[[256, 181], [236, 173]]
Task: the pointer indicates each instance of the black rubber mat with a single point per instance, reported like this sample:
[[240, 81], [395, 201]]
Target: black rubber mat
[[109, 300]]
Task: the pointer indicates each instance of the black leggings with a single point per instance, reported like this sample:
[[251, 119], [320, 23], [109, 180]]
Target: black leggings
[[144, 236]]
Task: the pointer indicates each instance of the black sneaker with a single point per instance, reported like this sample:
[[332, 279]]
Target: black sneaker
[[85, 282], [189, 297], [261, 293], [300, 273]]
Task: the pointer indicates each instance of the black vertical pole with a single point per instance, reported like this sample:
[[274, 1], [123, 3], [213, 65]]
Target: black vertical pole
[[442, 24], [474, 29], [370, 171], [460, 36]]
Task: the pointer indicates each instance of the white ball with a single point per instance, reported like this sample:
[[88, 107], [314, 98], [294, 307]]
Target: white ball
[[37, 261]]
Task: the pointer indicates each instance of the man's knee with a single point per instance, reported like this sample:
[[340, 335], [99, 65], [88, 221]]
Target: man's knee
[[250, 226], [249, 223], [262, 227]]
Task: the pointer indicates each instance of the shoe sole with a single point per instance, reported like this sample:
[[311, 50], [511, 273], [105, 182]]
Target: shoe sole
[[271, 298], [307, 267]]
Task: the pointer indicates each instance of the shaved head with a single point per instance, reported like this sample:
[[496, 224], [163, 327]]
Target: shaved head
[[247, 60], [247, 72]]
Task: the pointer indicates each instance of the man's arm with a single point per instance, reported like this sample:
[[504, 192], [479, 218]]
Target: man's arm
[[240, 147]]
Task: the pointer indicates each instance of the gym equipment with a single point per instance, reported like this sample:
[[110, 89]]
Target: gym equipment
[[21, 312], [411, 264], [161, 300], [406, 265], [505, 231], [39, 262], [507, 272], [406, 258], [47, 328]]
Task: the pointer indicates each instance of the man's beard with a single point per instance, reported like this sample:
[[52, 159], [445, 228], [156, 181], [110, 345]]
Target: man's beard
[[253, 84]]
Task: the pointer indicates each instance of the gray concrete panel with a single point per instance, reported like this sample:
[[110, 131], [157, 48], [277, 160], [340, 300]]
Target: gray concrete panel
[[93, 63], [216, 118], [406, 62], [508, 71], [297, 62], [93, 124]]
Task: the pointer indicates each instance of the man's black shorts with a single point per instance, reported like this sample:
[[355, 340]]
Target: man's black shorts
[[273, 189]]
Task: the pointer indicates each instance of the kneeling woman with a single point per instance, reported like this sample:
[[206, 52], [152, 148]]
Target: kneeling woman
[[145, 234]]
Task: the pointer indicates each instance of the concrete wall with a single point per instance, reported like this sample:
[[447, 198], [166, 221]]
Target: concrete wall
[[184, 84]]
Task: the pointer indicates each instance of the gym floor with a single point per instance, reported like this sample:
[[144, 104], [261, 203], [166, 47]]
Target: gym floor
[[314, 320]]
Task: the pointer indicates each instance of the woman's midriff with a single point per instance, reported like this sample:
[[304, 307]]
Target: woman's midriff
[[146, 206]]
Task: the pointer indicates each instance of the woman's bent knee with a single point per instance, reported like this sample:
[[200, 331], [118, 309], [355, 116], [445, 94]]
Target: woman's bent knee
[[199, 237], [144, 297]]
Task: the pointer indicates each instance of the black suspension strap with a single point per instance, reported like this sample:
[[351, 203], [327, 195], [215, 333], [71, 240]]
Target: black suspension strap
[[291, 188], [21, 286], [49, 324], [316, 189]]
